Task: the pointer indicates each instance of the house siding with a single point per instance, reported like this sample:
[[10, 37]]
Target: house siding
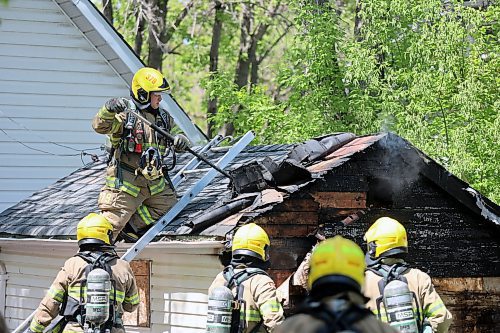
[[179, 285], [52, 82], [29, 278], [180, 278]]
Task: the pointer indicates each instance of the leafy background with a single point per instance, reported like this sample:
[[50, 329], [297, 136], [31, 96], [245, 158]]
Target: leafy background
[[426, 70]]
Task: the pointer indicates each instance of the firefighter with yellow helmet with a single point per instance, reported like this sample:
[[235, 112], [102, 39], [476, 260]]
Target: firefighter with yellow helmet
[[335, 302], [137, 189], [96, 254], [249, 286], [390, 280]]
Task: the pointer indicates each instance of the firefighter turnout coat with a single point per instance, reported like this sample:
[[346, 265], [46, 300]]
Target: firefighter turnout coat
[[308, 323], [127, 196], [431, 306], [262, 305], [67, 283]]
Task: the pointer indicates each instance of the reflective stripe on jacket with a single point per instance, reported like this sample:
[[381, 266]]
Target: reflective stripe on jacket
[[67, 283], [112, 124], [432, 307], [262, 303]]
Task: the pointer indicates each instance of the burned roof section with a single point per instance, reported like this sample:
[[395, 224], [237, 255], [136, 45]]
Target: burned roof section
[[267, 174]]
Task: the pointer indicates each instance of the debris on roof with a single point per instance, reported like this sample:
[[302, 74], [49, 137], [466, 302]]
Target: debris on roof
[[268, 174]]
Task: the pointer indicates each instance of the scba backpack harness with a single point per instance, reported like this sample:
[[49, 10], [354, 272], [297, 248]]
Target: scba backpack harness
[[341, 320], [94, 310], [397, 298], [227, 313], [133, 141]]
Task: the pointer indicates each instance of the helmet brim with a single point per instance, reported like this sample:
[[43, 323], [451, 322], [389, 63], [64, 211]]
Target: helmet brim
[[338, 282]]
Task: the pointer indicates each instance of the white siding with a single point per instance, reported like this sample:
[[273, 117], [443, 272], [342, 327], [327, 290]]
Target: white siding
[[179, 285], [29, 278], [52, 82], [180, 278]]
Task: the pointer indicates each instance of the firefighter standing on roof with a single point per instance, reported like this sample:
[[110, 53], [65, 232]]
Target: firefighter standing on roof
[[94, 241], [137, 190], [387, 247], [335, 302], [261, 310]]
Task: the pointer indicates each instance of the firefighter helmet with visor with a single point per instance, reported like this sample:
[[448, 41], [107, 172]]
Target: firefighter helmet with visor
[[251, 240], [94, 229], [337, 260], [145, 82], [386, 237]]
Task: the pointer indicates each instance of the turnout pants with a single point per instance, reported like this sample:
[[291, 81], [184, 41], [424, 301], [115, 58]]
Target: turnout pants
[[119, 204]]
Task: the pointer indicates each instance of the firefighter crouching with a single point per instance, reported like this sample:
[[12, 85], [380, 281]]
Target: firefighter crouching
[[335, 302], [137, 189], [245, 287], [398, 294], [69, 289]]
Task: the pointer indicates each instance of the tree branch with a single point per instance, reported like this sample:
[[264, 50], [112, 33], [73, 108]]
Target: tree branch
[[266, 52], [182, 15]]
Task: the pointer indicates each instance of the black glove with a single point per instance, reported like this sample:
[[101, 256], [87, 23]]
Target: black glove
[[181, 142], [116, 105]]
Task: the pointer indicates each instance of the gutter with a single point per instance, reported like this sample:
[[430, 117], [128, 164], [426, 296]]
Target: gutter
[[37, 245]]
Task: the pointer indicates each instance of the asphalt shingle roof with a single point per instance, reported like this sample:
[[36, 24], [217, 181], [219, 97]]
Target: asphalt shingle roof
[[54, 211]]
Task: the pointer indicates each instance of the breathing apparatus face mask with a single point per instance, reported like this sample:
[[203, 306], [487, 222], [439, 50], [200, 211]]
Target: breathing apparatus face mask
[[150, 165]]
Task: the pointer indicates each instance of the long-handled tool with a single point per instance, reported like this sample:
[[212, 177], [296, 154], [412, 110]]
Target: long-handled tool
[[170, 137]]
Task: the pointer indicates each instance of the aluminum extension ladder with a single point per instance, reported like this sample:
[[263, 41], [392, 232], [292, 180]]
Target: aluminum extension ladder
[[188, 196], [138, 246]]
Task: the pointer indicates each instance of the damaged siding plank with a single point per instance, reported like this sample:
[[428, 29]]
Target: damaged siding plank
[[299, 218], [340, 199], [279, 276], [297, 205], [473, 305], [289, 230]]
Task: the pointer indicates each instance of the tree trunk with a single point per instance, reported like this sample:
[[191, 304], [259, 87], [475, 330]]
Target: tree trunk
[[214, 59], [252, 53], [141, 24], [156, 15], [247, 67], [358, 23], [243, 64], [107, 10]]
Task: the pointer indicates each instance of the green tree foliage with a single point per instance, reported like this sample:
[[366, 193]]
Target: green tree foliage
[[425, 71], [430, 73]]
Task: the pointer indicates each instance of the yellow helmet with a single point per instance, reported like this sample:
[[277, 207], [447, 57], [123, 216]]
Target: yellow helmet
[[337, 260], [145, 81], [386, 237], [94, 229], [251, 240]]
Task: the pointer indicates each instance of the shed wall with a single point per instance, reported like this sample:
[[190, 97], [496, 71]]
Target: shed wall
[[454, 245]]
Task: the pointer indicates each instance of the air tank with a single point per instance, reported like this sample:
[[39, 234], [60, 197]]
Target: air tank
[[398, 303], [220, 308], [98, 288]]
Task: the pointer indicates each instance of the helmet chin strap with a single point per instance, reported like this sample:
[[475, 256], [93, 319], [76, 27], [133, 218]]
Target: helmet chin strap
[[142, 106], [137, 104]]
